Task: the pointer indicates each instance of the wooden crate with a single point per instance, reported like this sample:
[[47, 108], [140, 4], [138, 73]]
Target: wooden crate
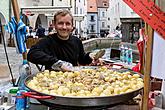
[[31, 41]]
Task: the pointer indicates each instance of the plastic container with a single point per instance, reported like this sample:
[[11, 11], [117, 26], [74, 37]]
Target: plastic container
[[122, 53], [24, 71], [130, 58], [125, 54], [20, 100], [12, 97]]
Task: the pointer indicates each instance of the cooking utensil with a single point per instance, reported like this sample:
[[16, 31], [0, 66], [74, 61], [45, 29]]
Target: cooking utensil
[[76, 101], [99, 54]]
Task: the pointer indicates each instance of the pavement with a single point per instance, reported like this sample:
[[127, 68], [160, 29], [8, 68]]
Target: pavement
[[15, 60]]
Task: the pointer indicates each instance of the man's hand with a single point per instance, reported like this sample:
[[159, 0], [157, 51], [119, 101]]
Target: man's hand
[[62, 66], [97, 55], [66, 66]]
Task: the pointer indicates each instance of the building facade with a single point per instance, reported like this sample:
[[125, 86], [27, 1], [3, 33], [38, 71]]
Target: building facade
[[114, 15], [130, 23], [79, 10], [37, 12], [97, 18], [5, 13], [92, 19], [122, 16], [103, 27]]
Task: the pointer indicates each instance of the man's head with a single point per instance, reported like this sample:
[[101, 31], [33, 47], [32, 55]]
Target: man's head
[[63, 22]]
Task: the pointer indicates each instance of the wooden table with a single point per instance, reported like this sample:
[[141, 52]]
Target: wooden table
[[31, 41]]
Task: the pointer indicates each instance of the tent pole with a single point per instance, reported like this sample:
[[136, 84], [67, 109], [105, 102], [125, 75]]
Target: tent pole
[[15, 10], [147, 66], [17, 17]]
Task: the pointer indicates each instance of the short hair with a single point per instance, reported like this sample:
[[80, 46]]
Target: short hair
[[63, 13]]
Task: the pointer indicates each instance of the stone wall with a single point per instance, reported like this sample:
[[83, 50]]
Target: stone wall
[[98, 43]]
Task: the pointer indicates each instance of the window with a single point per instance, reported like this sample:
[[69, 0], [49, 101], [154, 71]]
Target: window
[[92, 28], [118, 8], [92, 18], [76, 10], [103, 24], [103, 14], [133, 12], [104, 4], [80, 10]]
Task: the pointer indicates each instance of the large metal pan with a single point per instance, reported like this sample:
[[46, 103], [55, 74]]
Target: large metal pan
[[80, 101]]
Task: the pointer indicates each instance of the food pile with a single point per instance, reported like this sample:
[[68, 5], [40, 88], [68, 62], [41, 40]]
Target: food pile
[[86, 82]]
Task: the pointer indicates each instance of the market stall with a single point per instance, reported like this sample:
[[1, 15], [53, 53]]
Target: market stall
[[154, 19]]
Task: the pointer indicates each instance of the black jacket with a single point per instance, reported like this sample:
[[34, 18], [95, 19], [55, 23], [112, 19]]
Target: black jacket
[[51, 49], [40, 32]]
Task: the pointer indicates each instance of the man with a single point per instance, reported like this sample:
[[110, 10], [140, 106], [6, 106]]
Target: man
[[61, 49], [30, 30], [40, 31], [50, 29]]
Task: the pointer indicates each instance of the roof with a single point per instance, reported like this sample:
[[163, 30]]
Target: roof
[[91, 5], [103, 3]]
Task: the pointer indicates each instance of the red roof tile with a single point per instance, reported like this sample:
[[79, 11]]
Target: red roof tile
[[103, 3], [91, 6]]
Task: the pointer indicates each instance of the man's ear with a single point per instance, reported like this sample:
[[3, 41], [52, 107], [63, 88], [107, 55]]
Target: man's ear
[[73, 28]]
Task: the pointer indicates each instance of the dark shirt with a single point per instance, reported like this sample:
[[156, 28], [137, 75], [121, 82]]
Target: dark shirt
[[40, 32], [51, 49], [50, 29]]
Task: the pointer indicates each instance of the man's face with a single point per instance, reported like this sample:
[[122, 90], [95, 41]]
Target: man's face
[[63, 25]]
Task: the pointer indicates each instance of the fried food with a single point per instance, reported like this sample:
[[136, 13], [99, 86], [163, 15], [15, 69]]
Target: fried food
[[86, 82]]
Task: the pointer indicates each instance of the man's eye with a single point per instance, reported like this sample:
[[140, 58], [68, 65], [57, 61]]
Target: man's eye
[[60, 23], [68, 24]]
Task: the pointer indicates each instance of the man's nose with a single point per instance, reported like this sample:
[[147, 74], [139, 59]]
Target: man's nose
[[64, 25]]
